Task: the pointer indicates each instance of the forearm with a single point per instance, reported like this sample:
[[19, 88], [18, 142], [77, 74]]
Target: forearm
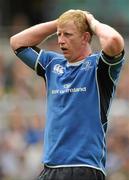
[[33, 35], [111, 41]]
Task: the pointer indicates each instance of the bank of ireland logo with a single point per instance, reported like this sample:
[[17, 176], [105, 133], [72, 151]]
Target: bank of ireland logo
[[58, 69], [67, 86]]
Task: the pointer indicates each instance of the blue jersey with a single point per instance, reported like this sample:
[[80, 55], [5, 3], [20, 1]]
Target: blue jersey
[[78, 101]]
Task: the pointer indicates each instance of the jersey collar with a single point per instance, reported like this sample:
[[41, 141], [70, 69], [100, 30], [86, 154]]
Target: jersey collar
[[75, 63]]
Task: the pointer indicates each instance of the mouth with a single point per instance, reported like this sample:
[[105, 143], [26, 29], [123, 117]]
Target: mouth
[[64, 49]]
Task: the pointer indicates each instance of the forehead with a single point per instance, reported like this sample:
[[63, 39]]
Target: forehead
[[67, 26]]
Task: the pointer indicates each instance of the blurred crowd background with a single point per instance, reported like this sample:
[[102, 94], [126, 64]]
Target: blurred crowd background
[[22, 92]]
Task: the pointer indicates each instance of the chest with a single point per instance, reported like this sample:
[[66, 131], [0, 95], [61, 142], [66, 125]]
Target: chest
[[62, 76]]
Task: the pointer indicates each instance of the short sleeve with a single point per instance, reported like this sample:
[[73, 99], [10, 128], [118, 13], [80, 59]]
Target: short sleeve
[[112, 60]]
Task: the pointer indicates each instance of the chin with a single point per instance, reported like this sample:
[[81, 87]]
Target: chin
[[67, 57]]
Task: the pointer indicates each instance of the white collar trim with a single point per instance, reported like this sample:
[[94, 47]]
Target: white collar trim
[[75, 63]]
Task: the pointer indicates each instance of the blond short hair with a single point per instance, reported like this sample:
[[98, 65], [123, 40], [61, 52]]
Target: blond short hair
[[79, 18]]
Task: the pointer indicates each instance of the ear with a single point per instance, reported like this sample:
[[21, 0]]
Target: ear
[[87, 37]]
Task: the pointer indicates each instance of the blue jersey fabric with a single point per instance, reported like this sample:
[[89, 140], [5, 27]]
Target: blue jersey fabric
[[78, 101]]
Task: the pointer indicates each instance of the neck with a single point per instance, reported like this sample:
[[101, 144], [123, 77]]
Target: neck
[[85, 53]]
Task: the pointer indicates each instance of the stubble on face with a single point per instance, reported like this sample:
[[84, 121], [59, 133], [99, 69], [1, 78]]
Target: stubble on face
[[70, 41]]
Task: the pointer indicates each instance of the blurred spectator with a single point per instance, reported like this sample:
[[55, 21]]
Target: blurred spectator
[[123, 88], [118, 149], [34, 131], [19, 22], [2, 75]]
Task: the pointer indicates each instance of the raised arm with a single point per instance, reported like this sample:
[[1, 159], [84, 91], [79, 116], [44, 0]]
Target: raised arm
[[111, 41], [33, 35]]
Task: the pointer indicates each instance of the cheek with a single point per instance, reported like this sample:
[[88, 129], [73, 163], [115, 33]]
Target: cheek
[[77, 44]]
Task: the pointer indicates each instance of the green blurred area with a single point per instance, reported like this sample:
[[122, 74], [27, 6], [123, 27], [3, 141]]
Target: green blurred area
[[113, 12]]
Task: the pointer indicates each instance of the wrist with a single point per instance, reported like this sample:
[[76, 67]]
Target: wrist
[[93, 24]]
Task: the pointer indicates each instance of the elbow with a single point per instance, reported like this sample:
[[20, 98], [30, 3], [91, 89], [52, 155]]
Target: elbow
[[114, 45], [118, 43], [13, 43]]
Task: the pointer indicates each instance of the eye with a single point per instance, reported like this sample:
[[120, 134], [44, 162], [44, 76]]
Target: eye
[[67, 34], [58, 34]]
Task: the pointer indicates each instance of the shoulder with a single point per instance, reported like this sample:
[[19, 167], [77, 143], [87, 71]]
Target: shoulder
[[94, 57], [51, 54], [49, 58]]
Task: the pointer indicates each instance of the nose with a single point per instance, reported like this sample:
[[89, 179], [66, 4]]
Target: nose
[[61, 39]]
